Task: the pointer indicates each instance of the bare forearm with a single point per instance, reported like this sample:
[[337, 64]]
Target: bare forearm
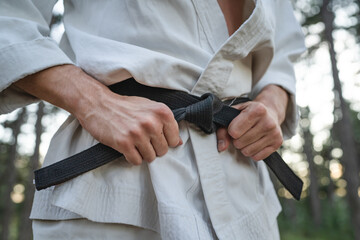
[[137, 127], [65, 86]]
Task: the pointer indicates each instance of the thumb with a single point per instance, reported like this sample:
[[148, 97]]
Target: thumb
[[223, 139]]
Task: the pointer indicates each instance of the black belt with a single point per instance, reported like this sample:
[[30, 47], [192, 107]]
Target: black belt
[[208, 112]]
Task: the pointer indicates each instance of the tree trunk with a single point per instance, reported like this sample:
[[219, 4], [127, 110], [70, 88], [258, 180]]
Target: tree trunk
[[349, 159], [314, 186], [11, 176], [25, 223]]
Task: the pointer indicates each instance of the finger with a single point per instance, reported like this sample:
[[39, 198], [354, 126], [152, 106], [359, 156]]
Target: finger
[[133, 156], [159, 144], [256, 147], [249, 137], [171, 133], [241, 106], [264, 153], [241, 124], [146, 151], [223, 139], [169, 125], [251, 113]]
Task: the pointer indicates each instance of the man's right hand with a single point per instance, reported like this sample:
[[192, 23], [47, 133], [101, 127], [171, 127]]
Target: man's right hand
[[139, 128]]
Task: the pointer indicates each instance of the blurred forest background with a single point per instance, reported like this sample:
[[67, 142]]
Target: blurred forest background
[[325, 153]]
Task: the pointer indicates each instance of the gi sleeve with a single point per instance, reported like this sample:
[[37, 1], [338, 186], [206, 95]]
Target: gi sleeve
[[25, 47], [289, 44]]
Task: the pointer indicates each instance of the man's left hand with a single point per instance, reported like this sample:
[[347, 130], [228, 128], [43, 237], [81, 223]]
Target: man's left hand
[[256, 131]]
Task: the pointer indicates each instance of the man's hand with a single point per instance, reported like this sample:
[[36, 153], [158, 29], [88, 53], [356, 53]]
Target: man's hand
[[256, 131], [139, 128]]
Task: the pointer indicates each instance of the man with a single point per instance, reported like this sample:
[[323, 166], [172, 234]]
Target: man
[[176, 182]]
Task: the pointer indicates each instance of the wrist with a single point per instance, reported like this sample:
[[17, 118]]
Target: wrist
[[93, 98], [275, 98], [85, 94]]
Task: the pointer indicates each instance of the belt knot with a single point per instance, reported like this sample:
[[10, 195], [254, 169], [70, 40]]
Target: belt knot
[[201, 113]]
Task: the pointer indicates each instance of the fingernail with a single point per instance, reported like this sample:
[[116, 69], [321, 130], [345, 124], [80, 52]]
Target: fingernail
[[180, 142], [221, 145]]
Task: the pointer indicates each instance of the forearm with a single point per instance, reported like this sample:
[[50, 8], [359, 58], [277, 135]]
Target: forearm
[[137, 127], [65, 86], [276, 100]]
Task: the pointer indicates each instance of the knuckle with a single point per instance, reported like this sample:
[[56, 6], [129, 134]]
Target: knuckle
[[259, 110], [278, 142], [269, 125], [245, 152], [135, 133], [163, 110], [233, 132], [123, 144], [236, 144], [133, 159], [148, 122], [240, 145], [149, 159]]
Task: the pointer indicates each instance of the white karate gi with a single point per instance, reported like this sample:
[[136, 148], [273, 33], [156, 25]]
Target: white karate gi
[[193, 192]]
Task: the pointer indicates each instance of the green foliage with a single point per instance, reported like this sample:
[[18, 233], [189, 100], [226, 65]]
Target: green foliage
[[335, 222]]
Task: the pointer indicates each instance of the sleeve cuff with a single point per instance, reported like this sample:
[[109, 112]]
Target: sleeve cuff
[[20, 60], [12, 98]]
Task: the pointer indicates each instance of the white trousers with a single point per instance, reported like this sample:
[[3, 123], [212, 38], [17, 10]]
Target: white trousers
[[80, 229]]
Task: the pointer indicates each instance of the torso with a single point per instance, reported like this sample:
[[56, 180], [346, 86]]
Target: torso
[[233, 13]]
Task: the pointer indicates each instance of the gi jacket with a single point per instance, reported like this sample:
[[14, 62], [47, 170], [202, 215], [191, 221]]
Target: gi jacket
[[193, 190]]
